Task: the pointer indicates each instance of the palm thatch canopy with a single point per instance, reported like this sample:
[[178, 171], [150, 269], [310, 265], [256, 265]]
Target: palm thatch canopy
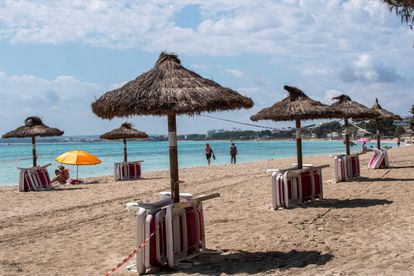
[[353, 109], [125, 131], [384, 114], [168, 88], [33, 126], [297, 105]]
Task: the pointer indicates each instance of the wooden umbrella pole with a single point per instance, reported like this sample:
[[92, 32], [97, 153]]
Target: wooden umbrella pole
[[172, 138], [125, 151], [34, 151], [348, 151], [299, 144], [378, 134]]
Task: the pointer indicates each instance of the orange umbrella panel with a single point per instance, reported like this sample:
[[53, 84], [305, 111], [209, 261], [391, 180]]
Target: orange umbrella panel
[[78, 158]]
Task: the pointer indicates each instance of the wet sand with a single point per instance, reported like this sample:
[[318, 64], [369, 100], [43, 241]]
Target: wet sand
[[363, 227]]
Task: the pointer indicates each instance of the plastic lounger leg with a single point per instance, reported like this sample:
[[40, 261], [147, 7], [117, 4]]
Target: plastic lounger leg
[[160, 237], [22, 181], [139, 170], [183, 227], [141, 216], [359, 167], [34, 180], [313, 185], [147, 248], [275, 180], [198, 226], [295, 190], [336, 168], [320, 184], [116, 172], [299, 183], [286, 190], [202, 229], [169, 236]]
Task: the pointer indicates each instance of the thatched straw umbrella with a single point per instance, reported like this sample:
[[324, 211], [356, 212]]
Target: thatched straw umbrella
[[124, 132], [297, 106], [354, 110], [169, 89], [383, 115], [33, 126]]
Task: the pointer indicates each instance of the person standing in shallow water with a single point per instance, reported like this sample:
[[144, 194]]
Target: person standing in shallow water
[[233, 153], [209, 152]]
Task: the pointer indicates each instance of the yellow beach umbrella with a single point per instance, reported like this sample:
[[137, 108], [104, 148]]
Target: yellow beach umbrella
[[78, 158]]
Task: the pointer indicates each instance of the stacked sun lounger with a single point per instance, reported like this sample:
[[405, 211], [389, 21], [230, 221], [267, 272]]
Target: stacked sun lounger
[[175, 231], [127, 170], [296, 186], [34, 179], [346, 167], [379, 159]]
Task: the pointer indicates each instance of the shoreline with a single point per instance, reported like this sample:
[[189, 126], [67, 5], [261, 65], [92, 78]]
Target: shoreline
[[180, 169], [93, 178], [201, 166]]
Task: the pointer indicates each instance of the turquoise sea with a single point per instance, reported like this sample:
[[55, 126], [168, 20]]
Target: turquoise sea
[[154, 154]]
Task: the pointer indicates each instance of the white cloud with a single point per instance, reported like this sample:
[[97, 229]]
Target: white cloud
[[314, 71], [365, 68], [294, 28], [64, 101], [354, 46], [234, 72]]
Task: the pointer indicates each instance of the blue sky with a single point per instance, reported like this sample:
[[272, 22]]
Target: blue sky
[[57, 56]]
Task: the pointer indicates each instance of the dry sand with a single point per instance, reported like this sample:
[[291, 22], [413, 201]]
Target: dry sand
[[363, 227]]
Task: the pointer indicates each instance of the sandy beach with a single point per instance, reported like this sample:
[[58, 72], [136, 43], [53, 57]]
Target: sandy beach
[[363, 227]]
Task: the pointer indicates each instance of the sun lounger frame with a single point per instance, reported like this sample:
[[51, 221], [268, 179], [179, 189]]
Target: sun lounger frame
[[171, 236], [122, 170], [346, 167], [290, 179], [379, 159], [30, 180]]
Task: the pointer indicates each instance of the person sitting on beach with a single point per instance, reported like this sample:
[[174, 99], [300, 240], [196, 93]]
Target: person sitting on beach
[[62, 175], [209, 152]]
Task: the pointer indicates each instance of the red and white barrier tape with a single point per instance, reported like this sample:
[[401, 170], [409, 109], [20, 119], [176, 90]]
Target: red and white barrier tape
[[136, 250]]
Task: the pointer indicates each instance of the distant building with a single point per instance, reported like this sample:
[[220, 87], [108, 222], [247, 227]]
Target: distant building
[[333, 135], [403, 122]]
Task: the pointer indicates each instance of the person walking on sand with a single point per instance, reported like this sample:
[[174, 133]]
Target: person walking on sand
[[209, 152], [233, 153]]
